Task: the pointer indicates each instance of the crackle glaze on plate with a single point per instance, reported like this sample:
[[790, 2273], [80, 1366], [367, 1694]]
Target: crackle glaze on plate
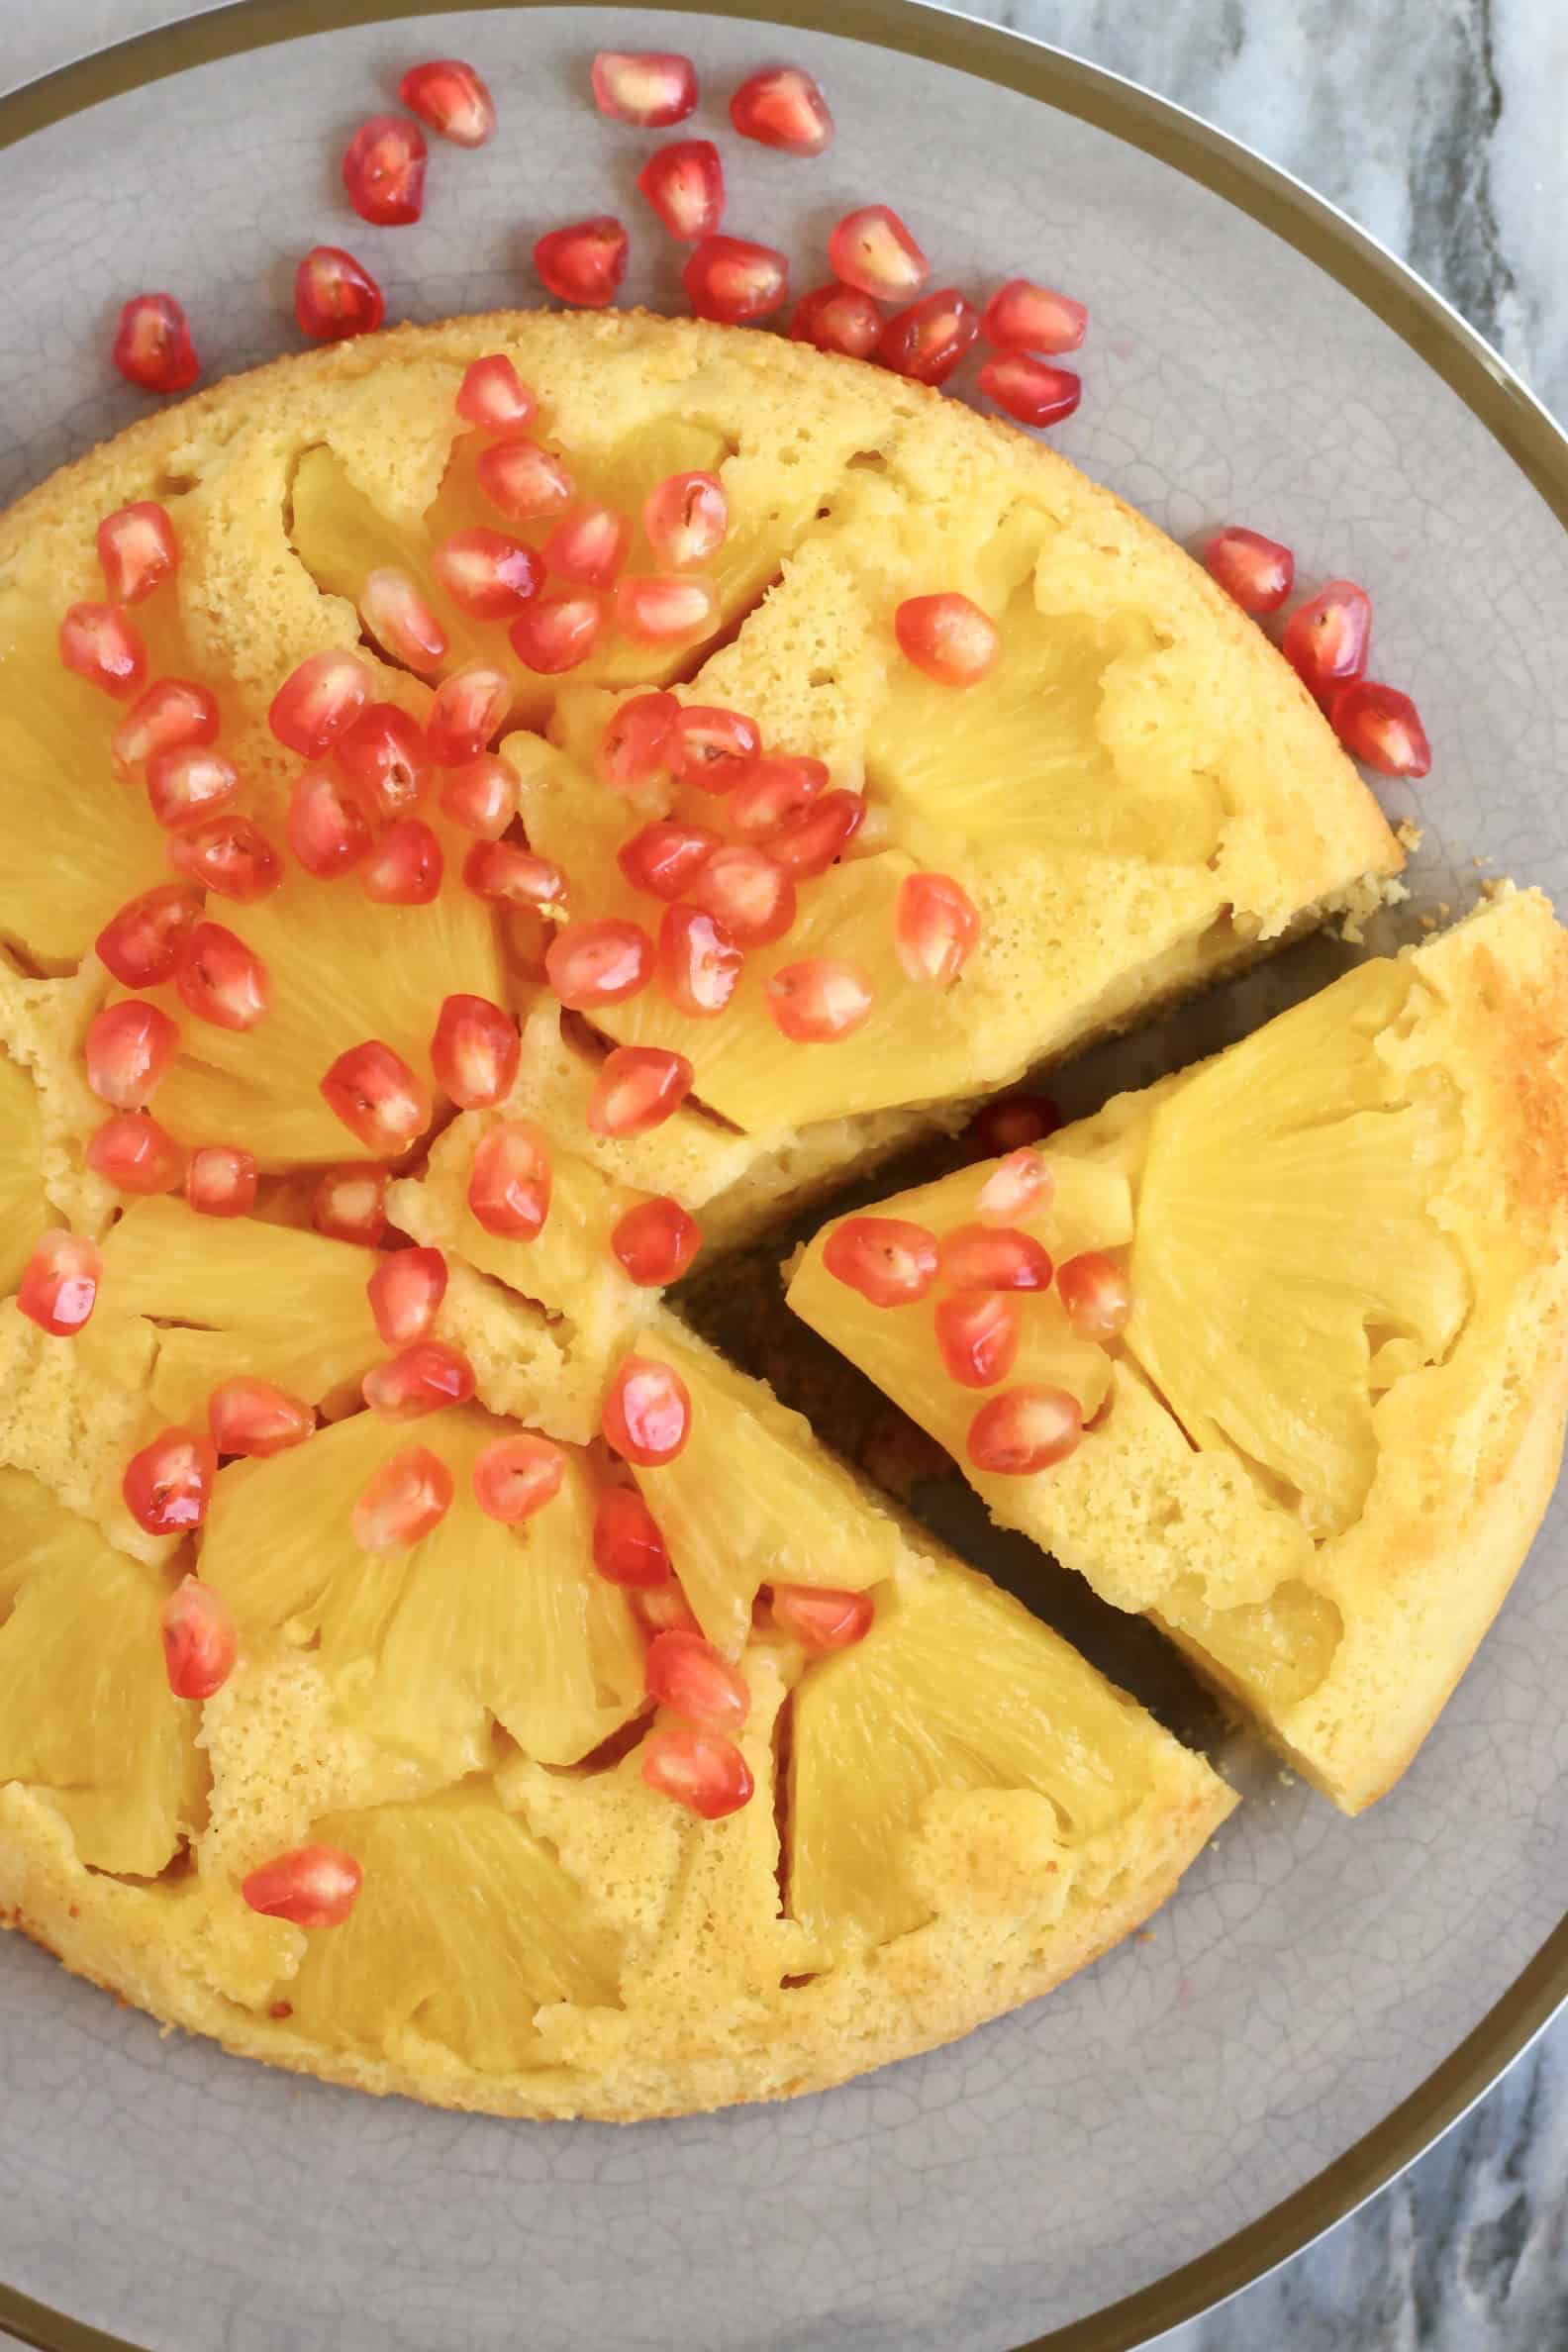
[[1312, 1974]]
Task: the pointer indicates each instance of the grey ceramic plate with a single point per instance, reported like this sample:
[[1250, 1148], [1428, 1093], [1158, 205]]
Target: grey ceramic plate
[[1322, 1996]]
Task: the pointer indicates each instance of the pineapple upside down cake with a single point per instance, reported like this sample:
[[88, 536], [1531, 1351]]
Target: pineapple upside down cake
[[489, 812]]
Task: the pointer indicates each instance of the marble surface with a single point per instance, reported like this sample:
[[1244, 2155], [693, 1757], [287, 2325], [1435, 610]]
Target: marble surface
[[1443, 129]]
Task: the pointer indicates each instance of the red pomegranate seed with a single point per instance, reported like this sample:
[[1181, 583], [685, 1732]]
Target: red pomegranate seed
[[934, 929], [383, 170], [132, 1152], [636, 743], [646, 1416], [512, 877], [525, 481], [482, 795], [1096, 1293], [654, 1241], [685, 519], [649, 88], [475, 1052], [750, 893], [602, 962], [509, 1184], [172, 711], [773, 791], [200, 1639], [516, 1476], [60, 1282], [493, 396], [153, 344], [409, 1496], [584, 264], [948, 637], [732, 281], [699, 963], [450, 99], [327, 828], [188, 783], [783, 106], [700, 1770], [928, 340], [315, 1886], [697, 1681], [1326, 639], [977, 1336], [168, 1486], [417, 1380], [333, 297], [142, 944], [1016, 1185], [684, 184], [220, 980], [258, 1420], [558, 632], [638, 1088], [628, 1547], [1022, 1431], [400, 621], [383, 755], [98, 643], [889, 1261], [1256, 573], [822, 1619], [809, 845], [873, 252], [350, 1204], [405, 867], [138, 549], [1023, 317], [1030, 390], [378, 1097], [994, 1258], [404, 1291], [713, 747], [1014, 1121], [666, 609], [664, 1608], [589, 548], [819, 1001], [837, 319], [488, 574], [319, 701], [469, 708], [662, 857], [128, 1048], [231, 855], [1382, 727], [220, 1181]]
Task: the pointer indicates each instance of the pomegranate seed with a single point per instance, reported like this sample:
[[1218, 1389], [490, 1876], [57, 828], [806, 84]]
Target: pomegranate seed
[[1382, 727], [783, 106], [407, 1497], [650, 88], [699, 963], [558, 632], [628, 1547], [452, 99], [638, 1088], [713, 747], [634, 746], [475, 1053], [220, 980], [948, 637], [820, 1618], [701, 1770], [654, 1242], [142, 944], [1023, 317], [1017, 1184], [697, 1681], [404, 1291], [516, 1476], [527, 482], [327, 828], [664, 1608], [732, 281], [977, 1336], [335, 297], [837, 319], [685, 519], [378, 1097], [188, 783], [128, 1048], [1014, 1121], [1030, 390], [509, 1184], [512, 877], [1096, 1293], [1326, 639], [60, 1282], [319, 701], [934, 929], [138, 549], [809, 845], [482, 795], [928, 341], [98, 643], [200, 1639], [662, 857], [400, 621], [589, 548], [816, 1001], [872, 250], [488, 574], [384, 757], [646, 1416], [220, 1181], [663, 609], [255, 1418], [469, 708], [383, 170], [417, 1380], [599, 963], [684, 184], [405, 867], [172, 711], [231, 855], [132, 1152], [750, 893], [584, 264], [1256, 573], [315, 1886], [1022, 1431], [493, 396], [350, 1204], [772, 792], [168, 1486], [887, 1259], [994, 1258], [153, 344]]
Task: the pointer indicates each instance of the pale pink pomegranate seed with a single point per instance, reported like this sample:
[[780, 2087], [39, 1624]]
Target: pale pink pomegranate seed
[[60, 1282], [142, 944], [475, 1052], [1096, 1293], [188, 783], [378, 1097], [810, 842], [700, 1770], [335, 295], [1016, 1185], [665, 608], [200, 1640], [995, 1258], [450, 99], [172, 711], [698, 962], [516, 1476], [628, 1546], [695, 1680], [748, 891], [383, 170], [222, 980], [132, 1152], [837, 319], [1255, 572], [488, 574], [589, 547], [138, 550], [638, 1088], [510, 1182], [977, 1336], [662, 856], [315, 1886], [934, 929], [654, 1241], [684, 184], [558, 632], [469, 708], [350, 1202], [405, 1292], [889, 1260], [1014, 1121], [409, 1496], [384, 757], [152, 346], [128, 1048], [255, 1418], [774, 790], [648, 88], [930, 338], [220, 1181], [1381, 727], [231, 855], [713, 747], [601, 962], [948, 637], [1022, 1431], [168, 1486], [1325, 639], [823, 1620], [663, 1609], [319, 701], [327, 828], [493, 396], [1030, 390], [400, 621], [1023, 317], [512, 877], [685, 519], [819, 1001], [421, 1379], [583, 263], [636, 745], [783, 106], [646, 1416], [732, 281], [526, 482], [98, 644], [872, 250], [482, 795], [405, 867]]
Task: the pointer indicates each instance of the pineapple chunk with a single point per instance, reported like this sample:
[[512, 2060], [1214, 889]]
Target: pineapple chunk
[[72, 1411], [25, 1210]]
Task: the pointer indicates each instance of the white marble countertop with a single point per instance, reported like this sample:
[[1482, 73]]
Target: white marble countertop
[[1445, 130]]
